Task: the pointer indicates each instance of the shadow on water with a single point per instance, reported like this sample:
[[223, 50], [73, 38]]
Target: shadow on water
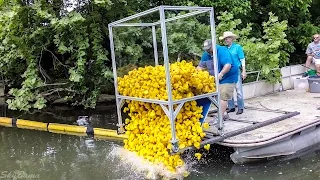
[[217, 166]]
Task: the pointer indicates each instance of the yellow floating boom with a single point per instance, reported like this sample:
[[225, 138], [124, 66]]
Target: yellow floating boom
[[66, 128], [99, 133], [5, 120]]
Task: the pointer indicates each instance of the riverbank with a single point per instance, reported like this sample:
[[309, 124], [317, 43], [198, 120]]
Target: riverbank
[[103, 98]]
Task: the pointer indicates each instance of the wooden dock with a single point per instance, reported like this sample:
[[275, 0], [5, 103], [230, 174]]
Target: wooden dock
[[268, 122]]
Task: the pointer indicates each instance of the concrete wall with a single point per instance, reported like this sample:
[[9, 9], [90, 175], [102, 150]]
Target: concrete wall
[[259, 88]]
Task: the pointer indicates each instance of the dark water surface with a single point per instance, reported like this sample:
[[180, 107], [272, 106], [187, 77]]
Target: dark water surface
[[30, 154]]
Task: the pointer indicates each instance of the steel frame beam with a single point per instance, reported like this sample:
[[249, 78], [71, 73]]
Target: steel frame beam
[[167, 106]]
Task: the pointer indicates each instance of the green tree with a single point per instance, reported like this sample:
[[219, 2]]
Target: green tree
[[70, 45], [60, 49]]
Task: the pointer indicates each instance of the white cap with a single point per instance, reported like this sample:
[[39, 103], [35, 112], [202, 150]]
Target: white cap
[[207, 44]]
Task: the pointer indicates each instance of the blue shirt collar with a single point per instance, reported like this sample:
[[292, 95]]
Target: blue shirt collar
[[229, 47]]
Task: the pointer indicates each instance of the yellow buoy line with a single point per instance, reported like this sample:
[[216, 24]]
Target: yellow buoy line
[[98, 133]]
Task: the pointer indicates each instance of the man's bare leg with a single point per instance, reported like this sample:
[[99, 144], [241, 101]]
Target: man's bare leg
[[308, 62], [318, 69], [223, 107]]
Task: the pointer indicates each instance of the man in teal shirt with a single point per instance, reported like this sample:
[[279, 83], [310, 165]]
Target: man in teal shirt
[[227, 69], [237, 54]]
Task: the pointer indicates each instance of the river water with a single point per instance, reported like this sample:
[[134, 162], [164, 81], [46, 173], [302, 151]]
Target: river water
[[30, 154]]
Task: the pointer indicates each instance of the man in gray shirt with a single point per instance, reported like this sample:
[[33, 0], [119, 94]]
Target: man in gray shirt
[[313, 53]]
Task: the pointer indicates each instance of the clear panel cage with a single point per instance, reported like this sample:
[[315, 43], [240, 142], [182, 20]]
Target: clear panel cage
[[168, 105]]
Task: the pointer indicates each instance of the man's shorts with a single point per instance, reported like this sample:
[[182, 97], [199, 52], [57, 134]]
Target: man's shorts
[[226, 91], [316, 61]]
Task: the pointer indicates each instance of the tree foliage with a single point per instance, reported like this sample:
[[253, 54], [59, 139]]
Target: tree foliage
[[60, 49], [63, 52], [265, 53]]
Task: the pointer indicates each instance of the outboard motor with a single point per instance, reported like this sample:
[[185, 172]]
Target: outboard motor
[[83, 121], [86, 121]]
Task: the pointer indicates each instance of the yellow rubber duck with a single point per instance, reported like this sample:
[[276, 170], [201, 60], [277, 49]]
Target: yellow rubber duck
[[206, 125], [207, 147], [198, 155]]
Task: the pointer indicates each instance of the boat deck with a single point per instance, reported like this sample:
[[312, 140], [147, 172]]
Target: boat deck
[[268, 113]]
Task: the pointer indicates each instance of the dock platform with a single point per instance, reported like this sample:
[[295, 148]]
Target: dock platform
[[273, 125]]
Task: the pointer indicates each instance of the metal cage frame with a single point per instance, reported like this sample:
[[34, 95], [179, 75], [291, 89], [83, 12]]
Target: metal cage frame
[[170, 111]]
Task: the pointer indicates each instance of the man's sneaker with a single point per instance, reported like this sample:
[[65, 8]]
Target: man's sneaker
[[231, 110], [226, 117], [240, 111]]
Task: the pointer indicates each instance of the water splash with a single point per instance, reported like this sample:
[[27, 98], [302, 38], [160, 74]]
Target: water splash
[[192, 164], [141, 168]]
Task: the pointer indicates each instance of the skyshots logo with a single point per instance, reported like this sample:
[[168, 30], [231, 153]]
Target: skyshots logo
[[16, 175]]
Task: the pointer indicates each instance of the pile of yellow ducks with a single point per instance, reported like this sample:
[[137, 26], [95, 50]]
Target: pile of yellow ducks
[[150, 82], [148, 128]]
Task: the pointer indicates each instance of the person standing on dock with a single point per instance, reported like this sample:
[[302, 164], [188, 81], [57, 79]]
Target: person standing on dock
[[227, 68], [237, 53], [313, 54]]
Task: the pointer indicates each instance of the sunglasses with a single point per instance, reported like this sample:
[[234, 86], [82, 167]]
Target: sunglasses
[[316, 37]]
